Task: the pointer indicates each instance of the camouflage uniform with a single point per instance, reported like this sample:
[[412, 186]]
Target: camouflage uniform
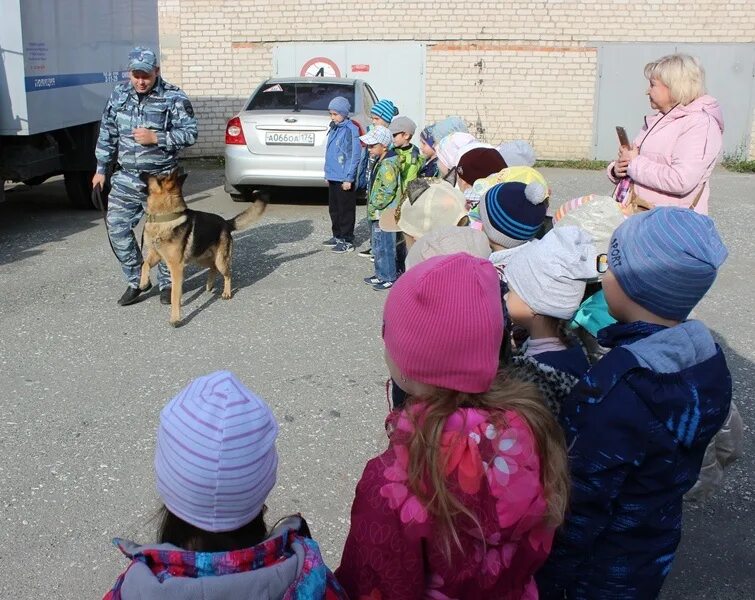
[[165, 109]]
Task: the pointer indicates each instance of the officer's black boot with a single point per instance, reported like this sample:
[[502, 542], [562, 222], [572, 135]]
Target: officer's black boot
[[131, 295], [165, 296]]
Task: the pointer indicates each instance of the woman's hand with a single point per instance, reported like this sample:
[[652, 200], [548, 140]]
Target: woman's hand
[[627, 154], [620, 168], [346, 186]]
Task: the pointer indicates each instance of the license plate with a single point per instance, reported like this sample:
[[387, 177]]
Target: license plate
[[280, 138]]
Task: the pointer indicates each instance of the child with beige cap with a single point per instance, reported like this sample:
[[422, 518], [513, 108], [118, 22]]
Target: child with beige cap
[[448, 240], [428, 204]]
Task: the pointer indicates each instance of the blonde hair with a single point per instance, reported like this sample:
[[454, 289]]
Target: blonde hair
[[427, 468], [682, 74]]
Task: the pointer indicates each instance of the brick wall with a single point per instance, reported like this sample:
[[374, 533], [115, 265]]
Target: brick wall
[[171, 53], [505, 91], [219, 50]]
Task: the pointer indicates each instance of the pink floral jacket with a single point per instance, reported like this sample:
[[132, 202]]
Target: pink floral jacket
[[392, 551]]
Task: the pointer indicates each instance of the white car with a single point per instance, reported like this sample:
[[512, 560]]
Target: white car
[[279, 138]]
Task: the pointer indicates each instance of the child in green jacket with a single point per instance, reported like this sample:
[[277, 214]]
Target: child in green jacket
[[409, 156], [384, 192]]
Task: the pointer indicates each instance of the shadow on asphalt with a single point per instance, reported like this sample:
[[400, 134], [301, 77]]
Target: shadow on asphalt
[[32, 217], [253, 260], [361, 232], [203, 174], [715, 559]]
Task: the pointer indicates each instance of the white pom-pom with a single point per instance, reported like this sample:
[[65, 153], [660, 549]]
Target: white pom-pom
[[535, 192]]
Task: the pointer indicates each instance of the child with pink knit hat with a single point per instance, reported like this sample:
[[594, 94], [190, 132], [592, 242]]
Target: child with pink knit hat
[[465, 501], [215, 464]]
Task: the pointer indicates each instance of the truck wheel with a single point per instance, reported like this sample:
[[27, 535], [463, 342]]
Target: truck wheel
[[79, 189]]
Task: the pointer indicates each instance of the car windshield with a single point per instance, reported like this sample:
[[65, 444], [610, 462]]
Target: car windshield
[[299, 96]]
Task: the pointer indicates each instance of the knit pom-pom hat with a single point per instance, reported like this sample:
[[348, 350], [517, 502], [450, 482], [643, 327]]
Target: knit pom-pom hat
[[513, 206]]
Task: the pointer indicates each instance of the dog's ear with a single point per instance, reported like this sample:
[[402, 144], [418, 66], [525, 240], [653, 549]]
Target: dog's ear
[[145, 178], [176, 177]]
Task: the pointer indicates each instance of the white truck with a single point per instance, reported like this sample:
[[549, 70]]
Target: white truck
[[60, 61]]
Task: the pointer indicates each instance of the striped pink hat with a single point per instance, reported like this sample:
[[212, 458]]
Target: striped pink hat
[[215, 459], [443, 323]]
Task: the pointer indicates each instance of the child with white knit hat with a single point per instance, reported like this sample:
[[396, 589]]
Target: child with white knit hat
[[215, 464], [546, 282]]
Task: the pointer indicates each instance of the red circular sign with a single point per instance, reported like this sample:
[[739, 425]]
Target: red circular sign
[[320, 67]]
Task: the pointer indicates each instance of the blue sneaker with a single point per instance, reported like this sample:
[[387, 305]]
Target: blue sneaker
[[372, 280], [331, 242], [382, 285], [342, 247]]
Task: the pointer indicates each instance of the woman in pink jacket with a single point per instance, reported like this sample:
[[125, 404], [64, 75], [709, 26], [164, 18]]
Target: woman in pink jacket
[[671, 159]]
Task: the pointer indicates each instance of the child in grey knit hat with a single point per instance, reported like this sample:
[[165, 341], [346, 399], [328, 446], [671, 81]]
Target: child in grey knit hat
[[546, 283]]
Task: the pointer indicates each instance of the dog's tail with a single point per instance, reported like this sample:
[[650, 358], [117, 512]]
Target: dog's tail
[[249, 217]]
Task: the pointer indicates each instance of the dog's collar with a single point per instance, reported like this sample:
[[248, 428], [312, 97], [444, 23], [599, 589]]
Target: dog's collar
[[164, 218]]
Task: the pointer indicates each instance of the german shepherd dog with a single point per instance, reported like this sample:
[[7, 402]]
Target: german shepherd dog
[[178, 235]]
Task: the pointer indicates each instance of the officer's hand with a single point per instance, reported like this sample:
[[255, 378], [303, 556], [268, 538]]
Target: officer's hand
[[144, 136], [98, 179]]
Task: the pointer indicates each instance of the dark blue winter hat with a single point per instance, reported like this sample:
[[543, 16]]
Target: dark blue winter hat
[[513, 210], [666, 259]]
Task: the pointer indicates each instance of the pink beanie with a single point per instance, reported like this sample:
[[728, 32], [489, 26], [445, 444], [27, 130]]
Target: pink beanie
[[443, 323]]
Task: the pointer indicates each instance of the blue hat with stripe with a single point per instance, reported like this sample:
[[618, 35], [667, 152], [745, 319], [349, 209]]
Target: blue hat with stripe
[[513, 212], [666, 259], [385, 109]]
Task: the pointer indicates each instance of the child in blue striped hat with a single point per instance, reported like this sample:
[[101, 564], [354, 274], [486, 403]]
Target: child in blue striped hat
[[638, 423], [382, 112]]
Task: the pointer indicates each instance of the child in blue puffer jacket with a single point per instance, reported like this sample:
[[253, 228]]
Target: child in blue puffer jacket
[[638, 423], [341, 161]]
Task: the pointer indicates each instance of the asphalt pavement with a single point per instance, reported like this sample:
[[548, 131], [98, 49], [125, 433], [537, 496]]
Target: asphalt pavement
[[82, 380]]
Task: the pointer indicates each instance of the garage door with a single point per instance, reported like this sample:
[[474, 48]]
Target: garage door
[[621, 99], [395, 70]]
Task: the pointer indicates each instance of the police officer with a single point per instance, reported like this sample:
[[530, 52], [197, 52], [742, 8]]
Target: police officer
[[146, 122]]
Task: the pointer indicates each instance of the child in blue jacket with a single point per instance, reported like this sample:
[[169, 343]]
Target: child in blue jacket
[[341, 161], [638, 422]]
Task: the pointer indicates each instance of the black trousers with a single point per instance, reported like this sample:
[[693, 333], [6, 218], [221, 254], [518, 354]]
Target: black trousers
[[343, 210]]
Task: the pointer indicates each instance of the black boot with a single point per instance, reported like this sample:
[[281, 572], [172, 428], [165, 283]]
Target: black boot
[[131, 295], [165, 296]]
